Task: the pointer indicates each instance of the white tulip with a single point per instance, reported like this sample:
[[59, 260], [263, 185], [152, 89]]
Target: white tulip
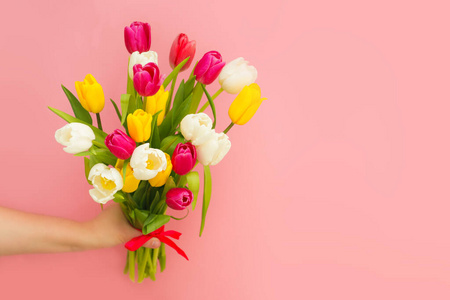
[[141, 58], [147, 162], [76, 137], [214, 150], [196, 128], [106, 181], [237, 74]]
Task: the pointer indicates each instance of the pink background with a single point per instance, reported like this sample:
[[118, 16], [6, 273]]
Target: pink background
[[337, 189]]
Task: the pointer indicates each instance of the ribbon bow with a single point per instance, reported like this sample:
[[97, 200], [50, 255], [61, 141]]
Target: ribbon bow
[[160, 234]]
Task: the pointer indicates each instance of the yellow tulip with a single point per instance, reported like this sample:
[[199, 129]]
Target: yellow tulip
[[139, 125], [156, 103], [90, 93], [245, 104], [161, 178], [131, 183]]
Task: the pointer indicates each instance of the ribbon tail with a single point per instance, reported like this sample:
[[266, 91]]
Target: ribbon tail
[[173, 234], [137, 242], [170, 243]]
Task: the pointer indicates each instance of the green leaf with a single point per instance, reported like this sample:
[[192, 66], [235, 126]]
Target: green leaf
[[211, 103], [130, 84], [155, 223], [156, 140], [197, 94], [206, 196], [99, 134], [154, 126], [87, 168], [132, 104], [189, 86], [169, 143], [141, 217], [77, 108], [117, 109], [124, 170], [154, 202], [179, 97], [182, 111], [85, 153], [104, 156], [193, 181], [162, 257], [124, 100], [166, 125], [170, 184], [174, 73]]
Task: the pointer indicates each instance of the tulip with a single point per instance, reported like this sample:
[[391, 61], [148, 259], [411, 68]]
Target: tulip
[[147, 79], [245, 104], [157, 103], [76, 137], [181, 49], [142, 59], [131, 183], [214, 150], [139, 125], [161, 178], [147, 162], [196, 128], [120, 144], [184, 158], [106, 182], [90, 93], [179, 198], [209, 67], [237, 74], [137, 37]]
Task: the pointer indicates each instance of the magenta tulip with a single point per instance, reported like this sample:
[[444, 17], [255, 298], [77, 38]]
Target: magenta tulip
[[181, 49], [184, 158], [120, 144], [147, 79], [137, 37], [179, 198], [209, 66]]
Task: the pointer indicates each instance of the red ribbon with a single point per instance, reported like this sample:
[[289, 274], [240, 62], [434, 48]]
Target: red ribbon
[[160, 234]]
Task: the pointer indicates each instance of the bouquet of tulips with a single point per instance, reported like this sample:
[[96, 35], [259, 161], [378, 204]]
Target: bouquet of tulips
[[148, 165]]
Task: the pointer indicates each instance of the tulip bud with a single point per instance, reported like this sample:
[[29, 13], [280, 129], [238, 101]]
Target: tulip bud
[[245, 104], [214, 150], [90, 93], [209, 67], [76, 137], [137, 37], [131, 183], [157, 103], [196, 128], [184, 158], [139, 125], [120, 144], [181, 49], [237, 74], [179, 198], [106, 181], [142, 59], [147, 162], [161, 178], [147, 79]]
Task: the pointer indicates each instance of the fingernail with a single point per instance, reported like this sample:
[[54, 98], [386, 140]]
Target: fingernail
[[154, 243]]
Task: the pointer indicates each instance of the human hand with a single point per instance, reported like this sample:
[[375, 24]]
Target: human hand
[[111, 228]]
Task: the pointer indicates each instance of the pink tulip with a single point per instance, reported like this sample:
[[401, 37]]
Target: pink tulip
[[147, 79], [179, 198], [137, 37], [181, 49], [209, 67], [120, 144], [184, 158]]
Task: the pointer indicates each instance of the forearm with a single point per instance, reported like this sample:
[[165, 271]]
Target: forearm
[[22, 232]]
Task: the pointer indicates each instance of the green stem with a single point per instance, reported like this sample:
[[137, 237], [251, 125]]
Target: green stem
[[228, 128], [172, 87], [131, 264], [145, 103], [99, 122], [219, 91]]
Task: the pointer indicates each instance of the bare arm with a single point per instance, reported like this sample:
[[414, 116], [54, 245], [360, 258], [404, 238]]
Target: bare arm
[[22, 232]]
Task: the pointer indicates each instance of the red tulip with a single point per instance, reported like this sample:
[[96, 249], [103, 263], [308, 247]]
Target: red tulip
[[181, 49], [179, 198], [209, 67], [137, 37], [184, 158]]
